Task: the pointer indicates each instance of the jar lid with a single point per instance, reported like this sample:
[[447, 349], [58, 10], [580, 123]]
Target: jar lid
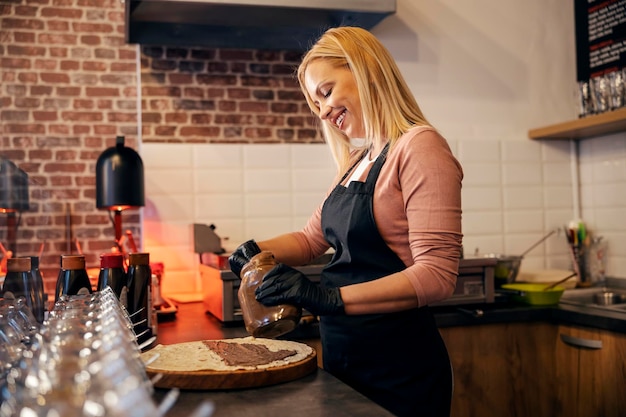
[[18, 264], [141, 258], [72, 262], [111, 260]]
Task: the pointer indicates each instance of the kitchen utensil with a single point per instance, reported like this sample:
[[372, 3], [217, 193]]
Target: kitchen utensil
[[549, 287], [545, 276], [533, 294], [538, 242], [507, 266]]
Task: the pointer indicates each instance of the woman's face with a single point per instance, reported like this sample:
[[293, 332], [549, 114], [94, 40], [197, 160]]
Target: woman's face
[[335, 94]]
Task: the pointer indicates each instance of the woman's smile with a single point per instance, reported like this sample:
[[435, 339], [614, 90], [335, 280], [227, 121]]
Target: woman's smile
[[335, 93]]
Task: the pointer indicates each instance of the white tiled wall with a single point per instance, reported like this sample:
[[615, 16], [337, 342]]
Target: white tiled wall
[[603, 194], [246, 191], [514, 192]]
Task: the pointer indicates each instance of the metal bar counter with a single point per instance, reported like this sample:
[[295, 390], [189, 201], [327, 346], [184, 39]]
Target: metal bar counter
[[318, 394]]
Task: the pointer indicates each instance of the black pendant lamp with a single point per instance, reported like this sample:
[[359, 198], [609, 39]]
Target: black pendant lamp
[[119, 182], [13, 198]]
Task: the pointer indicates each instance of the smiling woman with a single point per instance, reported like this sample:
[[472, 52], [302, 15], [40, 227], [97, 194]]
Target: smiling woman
[[394, 225]]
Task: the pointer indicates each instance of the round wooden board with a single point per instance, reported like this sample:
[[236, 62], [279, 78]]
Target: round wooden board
[[217, 380]]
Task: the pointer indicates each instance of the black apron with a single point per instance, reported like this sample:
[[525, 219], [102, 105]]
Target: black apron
[[398, 360]]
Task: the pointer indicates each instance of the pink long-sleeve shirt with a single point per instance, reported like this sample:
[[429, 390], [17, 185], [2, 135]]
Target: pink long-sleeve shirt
[[417, 208]]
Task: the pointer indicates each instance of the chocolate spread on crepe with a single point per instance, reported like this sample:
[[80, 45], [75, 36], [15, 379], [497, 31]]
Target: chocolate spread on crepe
[[246, 354]]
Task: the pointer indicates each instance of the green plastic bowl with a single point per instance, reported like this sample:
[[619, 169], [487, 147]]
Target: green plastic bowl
[[534, 294]]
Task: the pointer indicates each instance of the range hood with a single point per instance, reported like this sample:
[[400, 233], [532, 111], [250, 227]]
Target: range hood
[[246, 24]]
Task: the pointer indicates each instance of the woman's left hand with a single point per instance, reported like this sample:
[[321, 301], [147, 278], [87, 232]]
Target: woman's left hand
[[285, 285]]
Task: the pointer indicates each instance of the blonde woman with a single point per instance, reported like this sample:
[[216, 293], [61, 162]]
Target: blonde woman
[[393, 219]]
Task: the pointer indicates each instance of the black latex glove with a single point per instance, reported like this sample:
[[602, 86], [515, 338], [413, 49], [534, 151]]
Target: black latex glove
[[242, 256], [285, 285]]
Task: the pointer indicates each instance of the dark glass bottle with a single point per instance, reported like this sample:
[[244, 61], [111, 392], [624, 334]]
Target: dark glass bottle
[[73, 277], [19, 283], [39, 309], [112, 273], [139, 294]]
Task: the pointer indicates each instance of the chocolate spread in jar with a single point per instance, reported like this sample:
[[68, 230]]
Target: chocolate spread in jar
[[261, 320]]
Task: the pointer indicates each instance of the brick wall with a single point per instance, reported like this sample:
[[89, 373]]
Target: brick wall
[[213, 95], [69, 86]]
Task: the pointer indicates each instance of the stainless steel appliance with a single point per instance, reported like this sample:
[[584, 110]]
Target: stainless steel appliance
[[475, 284]]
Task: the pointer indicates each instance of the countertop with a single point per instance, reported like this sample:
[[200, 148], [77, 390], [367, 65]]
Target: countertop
[[321, 394], [318, 394]]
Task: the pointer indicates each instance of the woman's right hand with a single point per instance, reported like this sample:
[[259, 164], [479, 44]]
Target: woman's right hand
[[242, 256]]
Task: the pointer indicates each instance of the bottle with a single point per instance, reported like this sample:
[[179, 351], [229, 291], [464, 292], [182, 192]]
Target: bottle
[[73, 278], [139, 294], [260, 320], [19, 282], [112, 273], [39, 309]]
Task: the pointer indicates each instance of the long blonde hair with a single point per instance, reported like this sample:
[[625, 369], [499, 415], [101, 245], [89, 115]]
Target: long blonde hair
[[389, 108]]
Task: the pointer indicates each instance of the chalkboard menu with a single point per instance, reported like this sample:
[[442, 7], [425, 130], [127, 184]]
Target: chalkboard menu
[[600, 54]]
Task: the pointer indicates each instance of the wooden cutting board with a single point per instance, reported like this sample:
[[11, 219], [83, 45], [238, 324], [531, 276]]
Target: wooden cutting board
[[220, 380]]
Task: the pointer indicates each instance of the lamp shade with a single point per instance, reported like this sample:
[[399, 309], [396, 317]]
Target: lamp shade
[[119, 178], [13, 187]]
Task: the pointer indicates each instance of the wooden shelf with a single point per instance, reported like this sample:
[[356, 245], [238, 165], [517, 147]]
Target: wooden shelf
[[595, 125]]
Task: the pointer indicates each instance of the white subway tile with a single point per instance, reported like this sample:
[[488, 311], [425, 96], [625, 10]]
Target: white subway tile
[[517, 223], [609, 195], [172, 208], [168, 181], [268, 205], [557, 173], [557, 196], [267, 180], [267, 227], [220, 181], [479, 151], [159, 233], [480, 245], [523, 197], [166, 155], [312, 156], [312, 179], [216, 206], [213, 156], [482, 222], [481, 174], [609, 170], [556, 151], [304, 204], [521, 151], [267, 156], [481, 198], [515, 173], [610, 218]]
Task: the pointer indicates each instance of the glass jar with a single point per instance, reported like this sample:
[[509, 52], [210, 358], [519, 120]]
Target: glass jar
[[261, 320]]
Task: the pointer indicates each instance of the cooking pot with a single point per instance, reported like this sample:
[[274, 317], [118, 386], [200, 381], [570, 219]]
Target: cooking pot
[[507, 266], [533, 294], [506, 269]]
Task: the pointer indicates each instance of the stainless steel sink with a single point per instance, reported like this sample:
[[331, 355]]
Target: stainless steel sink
[[600, 297]]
